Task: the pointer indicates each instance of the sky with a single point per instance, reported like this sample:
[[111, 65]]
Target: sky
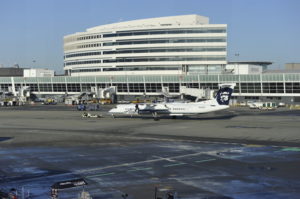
[[32, 31]]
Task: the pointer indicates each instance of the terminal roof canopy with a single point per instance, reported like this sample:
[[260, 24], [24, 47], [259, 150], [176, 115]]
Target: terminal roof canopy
[[182, 20]]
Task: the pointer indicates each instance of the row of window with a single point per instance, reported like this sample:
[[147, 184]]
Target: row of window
[[150, 32], [160, 32], [269, 87], [86, 70], [140, 68], [158, 59], [163, 41], [178, 109], [89, 37], [218, 49], [165, 50], [142, 88], [80, 38], [157, 41], [129, 68], [204, 69], [291, 87], [83, 54], [89, 45], [152, 59], [121, 87]]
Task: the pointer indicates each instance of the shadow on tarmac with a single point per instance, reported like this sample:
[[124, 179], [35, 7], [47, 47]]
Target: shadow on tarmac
[[5, 138], [210, 117]]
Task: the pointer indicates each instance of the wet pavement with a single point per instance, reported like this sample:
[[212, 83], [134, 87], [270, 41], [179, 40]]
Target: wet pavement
[[237, 153], [191, 169]]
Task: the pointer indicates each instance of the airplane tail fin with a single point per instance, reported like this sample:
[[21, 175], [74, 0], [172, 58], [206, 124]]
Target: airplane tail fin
[[224, 94]]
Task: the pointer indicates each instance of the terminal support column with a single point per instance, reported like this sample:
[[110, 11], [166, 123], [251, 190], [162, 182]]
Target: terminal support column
[[199, 81], [52, 84], [261, 85], [80, 84], [240, 89], [38, 84], [13, 86], [283, 78], [145, 90], [66, 84]]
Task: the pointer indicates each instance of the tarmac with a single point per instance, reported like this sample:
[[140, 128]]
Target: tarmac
[[236, 153]]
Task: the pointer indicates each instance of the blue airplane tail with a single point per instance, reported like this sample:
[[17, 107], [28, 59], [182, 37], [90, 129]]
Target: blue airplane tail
[[224, 95]]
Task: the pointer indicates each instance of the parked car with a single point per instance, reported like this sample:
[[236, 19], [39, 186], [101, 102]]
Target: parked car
[[88, 107], [243, 104], [81, 107], [281, 104]]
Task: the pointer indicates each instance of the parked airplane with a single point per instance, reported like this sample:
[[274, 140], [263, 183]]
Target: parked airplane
[[220, 102]]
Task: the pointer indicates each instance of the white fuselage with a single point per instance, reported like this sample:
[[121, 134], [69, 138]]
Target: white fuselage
[[172, 109], [194, 108], [220, 102]]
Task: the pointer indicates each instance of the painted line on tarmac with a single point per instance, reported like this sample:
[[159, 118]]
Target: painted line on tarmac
[[174, 165], [294, 149], [102, 174], [141, 169], [167, 159], [172, 139], [177, 140], [192, 141], [129, 164], [208, 160]]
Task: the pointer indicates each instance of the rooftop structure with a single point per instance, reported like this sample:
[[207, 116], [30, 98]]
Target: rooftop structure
[[292, 66], [247, 67], [11, 72], [183, 20], [38, 72]]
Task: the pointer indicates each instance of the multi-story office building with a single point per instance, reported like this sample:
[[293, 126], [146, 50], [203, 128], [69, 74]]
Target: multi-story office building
[[165, 45]]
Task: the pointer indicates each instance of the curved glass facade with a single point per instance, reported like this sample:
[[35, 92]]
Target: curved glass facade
[[148, 50], [160, 32], [163, 41], [182, 40]]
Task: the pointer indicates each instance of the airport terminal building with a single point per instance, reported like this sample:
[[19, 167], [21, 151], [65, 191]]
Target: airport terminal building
[[145, 57], [276, 86], [166, 45]]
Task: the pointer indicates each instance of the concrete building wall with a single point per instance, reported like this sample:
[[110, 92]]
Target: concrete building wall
[[292, 66], [11, 72], [34, 72], [244, 69]]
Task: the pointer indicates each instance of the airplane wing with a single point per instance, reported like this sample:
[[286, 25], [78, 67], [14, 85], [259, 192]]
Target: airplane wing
[[153, 108]]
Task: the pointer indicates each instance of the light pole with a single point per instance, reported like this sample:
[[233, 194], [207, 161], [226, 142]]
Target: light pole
[[33, 63], [237, 62]]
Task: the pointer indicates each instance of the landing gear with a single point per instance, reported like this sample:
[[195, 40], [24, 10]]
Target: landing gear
[[155, 116], [174, 117]]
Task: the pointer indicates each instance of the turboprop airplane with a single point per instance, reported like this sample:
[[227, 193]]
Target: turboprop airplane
[[220, 102]]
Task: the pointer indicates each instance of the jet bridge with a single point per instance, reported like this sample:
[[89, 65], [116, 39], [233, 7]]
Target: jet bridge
[[14, 96], [106, 93], [196, 92]]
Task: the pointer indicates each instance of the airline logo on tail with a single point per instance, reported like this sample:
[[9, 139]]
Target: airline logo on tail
[[224, 95]]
